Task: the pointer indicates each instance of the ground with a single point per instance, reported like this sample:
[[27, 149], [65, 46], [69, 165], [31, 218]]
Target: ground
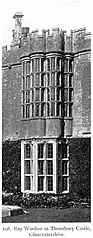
[[52, 215]]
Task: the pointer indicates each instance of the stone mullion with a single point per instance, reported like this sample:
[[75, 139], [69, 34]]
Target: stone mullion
[[45, 188]]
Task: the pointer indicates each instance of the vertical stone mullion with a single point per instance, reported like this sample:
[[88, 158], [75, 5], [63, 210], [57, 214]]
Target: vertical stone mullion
[[45, 189], [54, 167]]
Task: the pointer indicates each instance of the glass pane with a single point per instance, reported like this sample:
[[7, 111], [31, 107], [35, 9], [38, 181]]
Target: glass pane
[[49, 150], [50, 183], [65, 110], [64, 167], [64, 184], [40, 183], [52, 93], [65, 95], [27, 150], [27, 96], [27, 111], [70, 81], [27, 167], [28, 67], [53, 79], [70, 110], [23, 111], [52, 63], [58, 64], [40, 150], [70, 95], [48, 64], [27, 82], [59, 109], [23, 82], [23, 97], [66, 81], [37, 80], [27, 183], [40, 167], [52, 109], [49, 167], [58, 79], [59, 167], [37, 110], [65, 150], [23, 68], [37, 92]]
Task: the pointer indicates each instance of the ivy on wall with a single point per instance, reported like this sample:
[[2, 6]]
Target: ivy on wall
[[80, 166], [11, 166]]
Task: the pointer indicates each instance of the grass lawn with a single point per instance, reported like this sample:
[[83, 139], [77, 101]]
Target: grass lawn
[[52, 215]]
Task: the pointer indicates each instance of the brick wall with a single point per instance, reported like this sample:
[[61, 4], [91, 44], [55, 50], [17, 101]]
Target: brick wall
[[80, 166], [82, 94]]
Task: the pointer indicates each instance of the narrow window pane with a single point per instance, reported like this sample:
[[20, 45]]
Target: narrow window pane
[[53, 79], [27, 96], [37, 80], [52, 109], [27, 150], [43, 109], [43, 80], [32, 110], [40, 150], [66, 66], [64, 167], [70, 81], [28, 67], [70, 95], [70, 66], [23, 82], [48, 64], [40, 183], [65, 110], [32, 65], [47, 79], [23, 97], [59, 184], [27, 111], [66, 81], [64, 184], [49, 150], [58, 64], [27, 166], [53, 94], [32, 80], [49, 167], [27, 183], [37, 110], [47, 109], [64, 150], [65, 95], [23, 68], [52, 63], [40, 167], [59, 109], [58, 79], [37, 64], [23, 111], [27, 82], [37, 92], [59, 94], [59, 167], [70, 110], [50, 183], [31, 167]]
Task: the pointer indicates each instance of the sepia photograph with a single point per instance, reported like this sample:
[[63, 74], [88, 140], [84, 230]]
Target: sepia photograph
[[46, 116]]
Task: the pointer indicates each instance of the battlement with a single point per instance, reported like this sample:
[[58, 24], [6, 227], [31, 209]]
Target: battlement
[[50, 40]]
